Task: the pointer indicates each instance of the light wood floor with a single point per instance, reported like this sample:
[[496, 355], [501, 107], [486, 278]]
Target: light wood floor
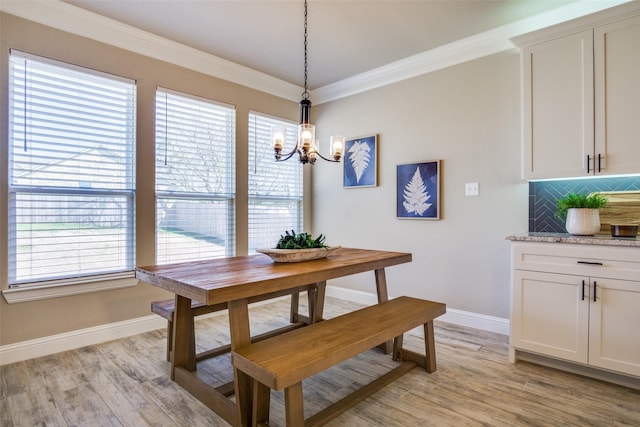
[[125, 383]]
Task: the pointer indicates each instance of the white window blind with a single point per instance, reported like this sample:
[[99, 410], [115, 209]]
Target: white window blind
[[275, 188], [71, 171], [195, 178]]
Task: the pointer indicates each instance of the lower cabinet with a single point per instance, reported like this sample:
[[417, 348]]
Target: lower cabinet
[[591, 318], [614, 326], [548, 316]]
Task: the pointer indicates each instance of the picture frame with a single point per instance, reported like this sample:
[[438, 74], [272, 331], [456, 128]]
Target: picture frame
[[360, 164], [418, 190]]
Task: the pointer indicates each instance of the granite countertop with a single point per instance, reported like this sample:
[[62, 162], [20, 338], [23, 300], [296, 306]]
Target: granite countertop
[[579, 240]]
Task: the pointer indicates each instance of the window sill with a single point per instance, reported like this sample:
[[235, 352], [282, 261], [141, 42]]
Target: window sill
[[62, 289]]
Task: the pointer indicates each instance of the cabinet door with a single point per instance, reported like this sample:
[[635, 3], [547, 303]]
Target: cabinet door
[[558, 107], [617, 96], [614, 325], [549, 315]]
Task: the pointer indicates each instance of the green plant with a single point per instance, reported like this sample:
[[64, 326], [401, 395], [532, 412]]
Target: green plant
[[575, 200], [300, 241]]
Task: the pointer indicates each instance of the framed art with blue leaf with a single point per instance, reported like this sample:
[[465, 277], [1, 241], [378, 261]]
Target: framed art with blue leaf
[[418, 190], [361, 162]]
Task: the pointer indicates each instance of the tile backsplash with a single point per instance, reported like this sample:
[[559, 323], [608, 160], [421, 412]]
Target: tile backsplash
[[543, 196]]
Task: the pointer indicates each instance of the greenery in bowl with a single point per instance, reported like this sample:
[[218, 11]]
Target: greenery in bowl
[[300, 241], [580, 201]]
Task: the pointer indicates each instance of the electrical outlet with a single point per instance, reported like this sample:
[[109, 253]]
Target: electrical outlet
[[471, 189]]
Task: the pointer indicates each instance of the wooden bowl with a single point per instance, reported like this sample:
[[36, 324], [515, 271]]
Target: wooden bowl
[[622, 230], [297, 255]]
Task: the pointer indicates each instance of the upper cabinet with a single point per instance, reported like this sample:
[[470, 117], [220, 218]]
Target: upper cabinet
[[581, 98], [617, 96], [558, 107]]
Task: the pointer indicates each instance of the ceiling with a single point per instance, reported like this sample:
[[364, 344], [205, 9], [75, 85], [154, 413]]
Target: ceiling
[[345, 37]]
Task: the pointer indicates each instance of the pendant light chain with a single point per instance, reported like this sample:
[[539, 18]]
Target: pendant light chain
[[305, 94], [307, 145]]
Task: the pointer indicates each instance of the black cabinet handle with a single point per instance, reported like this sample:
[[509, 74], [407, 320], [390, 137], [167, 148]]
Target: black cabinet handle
[[588, 165], [590, 263], [594, 291], [599, 163], [583, 290]]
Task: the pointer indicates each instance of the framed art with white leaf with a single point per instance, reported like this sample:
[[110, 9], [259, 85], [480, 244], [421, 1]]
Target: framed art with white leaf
[[360, 162], [418, 190]]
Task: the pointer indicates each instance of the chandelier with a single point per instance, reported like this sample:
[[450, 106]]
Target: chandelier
[[306, 145]]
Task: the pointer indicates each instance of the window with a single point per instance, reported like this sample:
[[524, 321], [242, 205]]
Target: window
[[275, 188], [195, 178], [71, 173]]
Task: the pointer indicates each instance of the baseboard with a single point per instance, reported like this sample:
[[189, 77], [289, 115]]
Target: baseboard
[[39, 347], [52, 344], [483, 322], [457, 317]]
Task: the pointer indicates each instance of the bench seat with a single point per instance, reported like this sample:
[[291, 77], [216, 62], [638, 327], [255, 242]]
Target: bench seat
[[166, 309], [283, 361]]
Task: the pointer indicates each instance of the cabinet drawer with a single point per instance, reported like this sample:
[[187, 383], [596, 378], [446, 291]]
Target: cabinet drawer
[[586, 260]]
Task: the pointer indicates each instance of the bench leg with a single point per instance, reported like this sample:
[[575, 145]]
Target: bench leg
[[261, 403], [430, 347], [169, 339], [397, 347], [428, 361], [191, 361], [293, 405]]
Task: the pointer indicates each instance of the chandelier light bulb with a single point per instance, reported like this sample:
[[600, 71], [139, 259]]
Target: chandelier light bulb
[[337, 146], [307, 134], [278, 138]]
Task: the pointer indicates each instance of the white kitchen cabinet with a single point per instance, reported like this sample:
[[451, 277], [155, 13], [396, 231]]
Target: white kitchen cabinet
[[581, 95], [578, 303], [558, 106], [548, 317], [617, 97], [614, 326]]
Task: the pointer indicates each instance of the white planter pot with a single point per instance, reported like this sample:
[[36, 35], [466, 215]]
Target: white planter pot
[[583, 222]]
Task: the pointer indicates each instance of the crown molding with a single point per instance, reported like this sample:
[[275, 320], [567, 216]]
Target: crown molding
[[441, 57], [75, 20], [66, 17], [573, 24], [487, 43]]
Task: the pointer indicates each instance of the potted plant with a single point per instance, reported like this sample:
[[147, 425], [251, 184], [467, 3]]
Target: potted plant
[[581, 212], [300, 241]]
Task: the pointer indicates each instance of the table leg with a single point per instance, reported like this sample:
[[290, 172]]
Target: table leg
[[241, 336], [315, 296], [295, 306], [182, 324], [316, 304], [383, 295]]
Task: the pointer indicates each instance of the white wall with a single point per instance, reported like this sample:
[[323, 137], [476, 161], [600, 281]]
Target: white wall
[[468, 116]]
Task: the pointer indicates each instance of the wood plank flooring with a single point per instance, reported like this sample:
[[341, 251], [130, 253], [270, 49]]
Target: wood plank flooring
[[126, 383]]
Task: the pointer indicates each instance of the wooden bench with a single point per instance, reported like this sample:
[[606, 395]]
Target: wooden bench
[[166, 308], [283, 361]]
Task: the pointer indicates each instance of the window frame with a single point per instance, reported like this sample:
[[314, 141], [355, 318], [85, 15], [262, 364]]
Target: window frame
[[228, 197], [267, 156], [70, 283]]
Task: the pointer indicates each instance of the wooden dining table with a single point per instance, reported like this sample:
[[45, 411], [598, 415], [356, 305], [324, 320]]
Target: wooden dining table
[[235, 280]]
